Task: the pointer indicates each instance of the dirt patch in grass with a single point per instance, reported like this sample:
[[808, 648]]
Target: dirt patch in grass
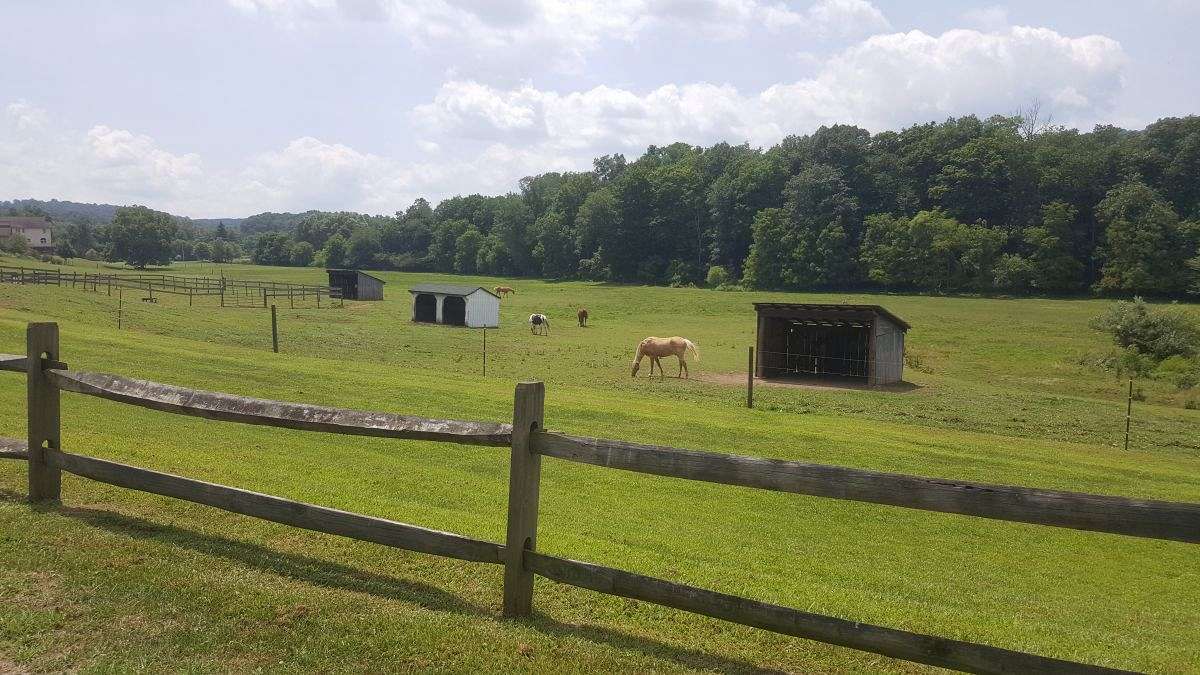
[[9, 668], [739, 380]]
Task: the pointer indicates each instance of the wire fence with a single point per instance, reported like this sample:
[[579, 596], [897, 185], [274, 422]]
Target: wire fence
[[782, 364]]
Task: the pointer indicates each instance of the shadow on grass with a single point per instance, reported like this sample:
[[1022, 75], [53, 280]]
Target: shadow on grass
[[334, 575]]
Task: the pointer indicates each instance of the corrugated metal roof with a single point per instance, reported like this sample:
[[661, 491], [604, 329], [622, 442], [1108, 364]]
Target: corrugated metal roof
[[830, 307], [449, 289], [328, 269]]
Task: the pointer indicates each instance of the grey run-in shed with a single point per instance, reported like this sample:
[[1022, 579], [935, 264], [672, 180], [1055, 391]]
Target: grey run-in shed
[[356, 284], [470, 306], [829, 341]]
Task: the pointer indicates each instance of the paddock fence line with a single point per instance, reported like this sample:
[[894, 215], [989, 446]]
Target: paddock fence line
[[528, 441], [230, 292], [783, 364]]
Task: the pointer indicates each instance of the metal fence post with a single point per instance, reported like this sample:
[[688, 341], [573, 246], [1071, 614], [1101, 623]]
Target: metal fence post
[[524, 476], [41, 341]]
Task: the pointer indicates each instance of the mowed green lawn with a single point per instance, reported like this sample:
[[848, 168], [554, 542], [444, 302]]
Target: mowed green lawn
[[115, 580]]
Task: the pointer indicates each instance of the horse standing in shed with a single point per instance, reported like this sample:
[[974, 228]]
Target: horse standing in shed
[[539, 324], [656, 348], [583, 317]]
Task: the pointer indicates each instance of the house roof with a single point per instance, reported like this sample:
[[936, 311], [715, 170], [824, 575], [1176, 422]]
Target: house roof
[[357, 272], [25, 222], [801, 307], [449, 289]]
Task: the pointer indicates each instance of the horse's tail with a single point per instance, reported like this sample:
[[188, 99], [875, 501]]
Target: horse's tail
[[691, 346]]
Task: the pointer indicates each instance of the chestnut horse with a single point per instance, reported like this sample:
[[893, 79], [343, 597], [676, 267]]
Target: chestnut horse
[[582, 316], [503, 290], [656, 348]]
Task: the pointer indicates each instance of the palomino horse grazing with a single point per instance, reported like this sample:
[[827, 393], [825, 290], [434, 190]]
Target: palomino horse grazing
[[539, 322], [582, 316], [503, 291], [656, 348]]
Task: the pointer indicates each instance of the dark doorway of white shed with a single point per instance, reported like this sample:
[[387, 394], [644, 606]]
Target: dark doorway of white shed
[[454, 311], [425, 308]]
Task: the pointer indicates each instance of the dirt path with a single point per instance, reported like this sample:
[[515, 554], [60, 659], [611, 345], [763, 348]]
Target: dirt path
[[739, 380]]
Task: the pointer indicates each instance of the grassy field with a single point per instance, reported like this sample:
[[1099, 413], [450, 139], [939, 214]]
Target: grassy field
[[117, 581]]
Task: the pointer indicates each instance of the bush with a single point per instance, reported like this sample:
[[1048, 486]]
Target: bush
[[717, 277], [92, 254], [17, 245], [1160, 334], [1182, 371], [56, 260]]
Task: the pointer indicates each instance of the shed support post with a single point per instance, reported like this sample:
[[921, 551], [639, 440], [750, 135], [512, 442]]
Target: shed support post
[[45, 481], [437, 317], [524, 476]]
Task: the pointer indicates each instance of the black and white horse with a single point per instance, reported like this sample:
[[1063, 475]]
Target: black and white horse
[[539, 324]]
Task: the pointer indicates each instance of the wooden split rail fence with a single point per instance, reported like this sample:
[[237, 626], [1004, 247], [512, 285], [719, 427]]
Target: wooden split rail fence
[[232, 292], [528, 442]]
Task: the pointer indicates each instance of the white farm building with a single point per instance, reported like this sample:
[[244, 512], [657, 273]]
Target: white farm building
[[471, 306]]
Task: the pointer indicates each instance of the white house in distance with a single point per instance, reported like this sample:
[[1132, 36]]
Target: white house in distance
[[451, 305], [34, 228]]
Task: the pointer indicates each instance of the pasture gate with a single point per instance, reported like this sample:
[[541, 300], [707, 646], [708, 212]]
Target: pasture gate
[[529, 441]]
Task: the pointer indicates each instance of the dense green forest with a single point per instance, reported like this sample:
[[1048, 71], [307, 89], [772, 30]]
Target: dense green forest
[[1003, 204]]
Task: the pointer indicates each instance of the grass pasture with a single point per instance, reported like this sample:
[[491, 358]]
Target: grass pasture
[[117, 581]]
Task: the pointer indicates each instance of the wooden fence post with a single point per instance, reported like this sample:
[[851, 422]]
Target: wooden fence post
[[274, 331], [524, 476], [43, 405], [750, 380]]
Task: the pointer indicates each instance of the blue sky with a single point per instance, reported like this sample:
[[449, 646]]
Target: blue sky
[[215, 108]]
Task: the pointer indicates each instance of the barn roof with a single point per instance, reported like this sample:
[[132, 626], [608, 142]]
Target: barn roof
[[25, 222], [356, 272], [830, 308], [449, 289]]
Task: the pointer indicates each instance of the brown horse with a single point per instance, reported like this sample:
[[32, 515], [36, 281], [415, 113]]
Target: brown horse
[[504, 290], [582, 316], [656, 348]]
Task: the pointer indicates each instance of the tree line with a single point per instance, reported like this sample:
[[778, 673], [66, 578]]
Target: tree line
[[1003, 204]]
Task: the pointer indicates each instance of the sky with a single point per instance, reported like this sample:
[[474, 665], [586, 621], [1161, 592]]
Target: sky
[[225, 108]]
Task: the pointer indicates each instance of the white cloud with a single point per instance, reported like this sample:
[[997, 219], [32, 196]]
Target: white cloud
[[88, 165], [829, 18], [39, 159], [472, 137], [567, 30], [883, 82], [991, 18]]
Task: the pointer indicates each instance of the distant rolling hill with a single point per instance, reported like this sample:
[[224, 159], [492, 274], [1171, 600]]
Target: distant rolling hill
[[102, 214]]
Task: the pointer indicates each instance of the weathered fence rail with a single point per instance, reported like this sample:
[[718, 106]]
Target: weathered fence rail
[[934, 651], [529, 442], [1077, 510], [231, 408], [279, 510]]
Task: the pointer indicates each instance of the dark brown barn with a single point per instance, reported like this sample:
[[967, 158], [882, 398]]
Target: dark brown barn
[[356, 284], [829, 341]]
